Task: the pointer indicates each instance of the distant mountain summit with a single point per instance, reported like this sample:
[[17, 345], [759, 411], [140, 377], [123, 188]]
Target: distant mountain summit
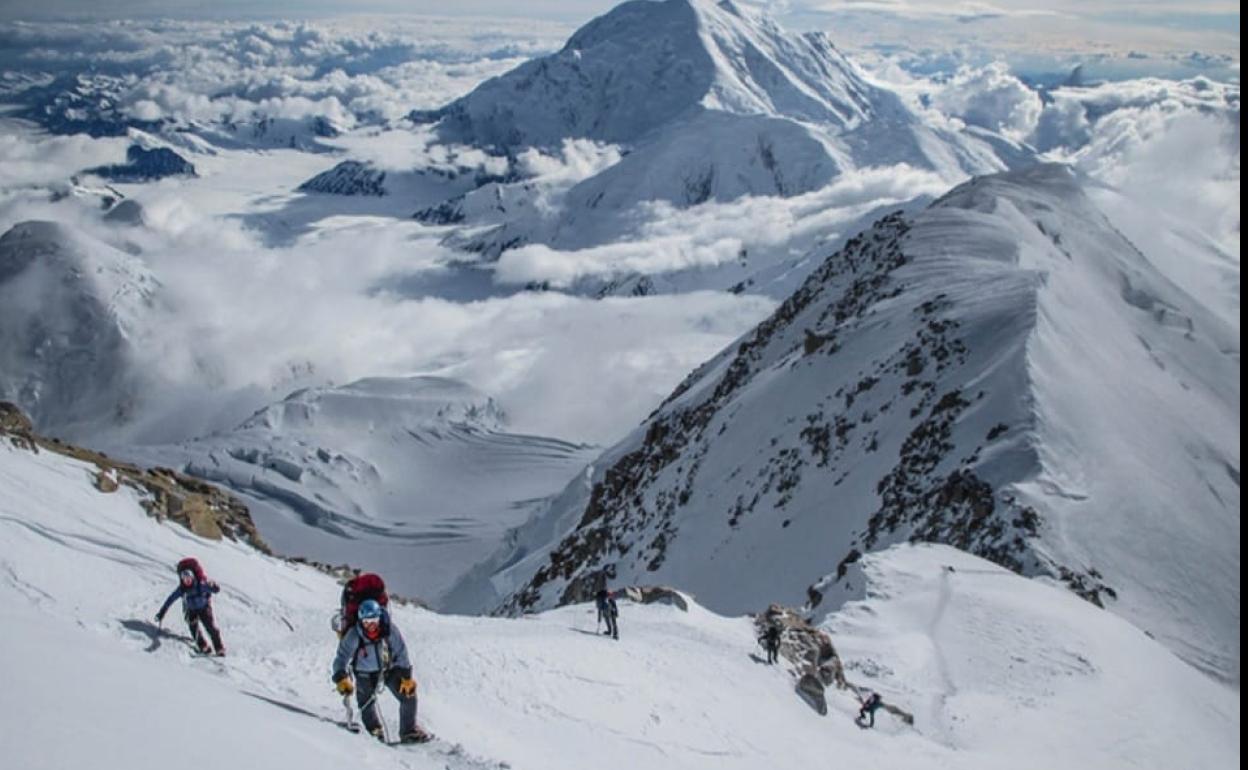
[[1002, 372], [648, 71], [707, 101], [70, 308]]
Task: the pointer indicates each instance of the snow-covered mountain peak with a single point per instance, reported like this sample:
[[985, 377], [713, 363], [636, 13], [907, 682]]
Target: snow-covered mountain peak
[[407, 403], [646, 64], [700, 102]]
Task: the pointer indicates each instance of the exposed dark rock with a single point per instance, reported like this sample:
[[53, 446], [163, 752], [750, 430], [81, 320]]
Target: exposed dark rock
[[350, 177], [127, 212], [146, 165]]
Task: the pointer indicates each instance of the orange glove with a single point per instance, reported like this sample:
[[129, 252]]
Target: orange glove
[[345, 687], [407, 687]]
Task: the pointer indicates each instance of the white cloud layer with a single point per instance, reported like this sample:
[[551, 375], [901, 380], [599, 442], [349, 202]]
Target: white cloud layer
[[342, 69], [992, 98], [1173, 146], [1170, 145], [246, 323], [669, 239]]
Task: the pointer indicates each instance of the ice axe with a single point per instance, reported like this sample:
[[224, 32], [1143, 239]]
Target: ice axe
[[351, 724]]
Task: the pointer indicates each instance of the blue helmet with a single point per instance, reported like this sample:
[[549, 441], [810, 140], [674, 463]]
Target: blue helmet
[[369, 610]]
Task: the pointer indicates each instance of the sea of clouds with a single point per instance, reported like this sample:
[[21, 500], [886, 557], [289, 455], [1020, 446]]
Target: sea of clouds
[[246, 320]]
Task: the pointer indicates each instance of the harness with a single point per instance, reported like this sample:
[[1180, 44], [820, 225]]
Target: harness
[[382, 645]]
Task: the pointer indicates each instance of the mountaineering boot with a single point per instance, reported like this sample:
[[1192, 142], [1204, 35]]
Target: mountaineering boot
[[417, 735]]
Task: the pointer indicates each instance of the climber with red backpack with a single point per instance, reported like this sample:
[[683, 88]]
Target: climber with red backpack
[[195, 590], [362, 587], [373, 651]]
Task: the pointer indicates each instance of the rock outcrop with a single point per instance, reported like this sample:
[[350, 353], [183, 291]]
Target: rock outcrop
[[164, 493], [813, 660]]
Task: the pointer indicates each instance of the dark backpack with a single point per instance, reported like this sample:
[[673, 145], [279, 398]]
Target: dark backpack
[[192, 564]]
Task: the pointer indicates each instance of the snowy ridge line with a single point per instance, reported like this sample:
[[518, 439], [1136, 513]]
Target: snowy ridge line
[[934, 380]]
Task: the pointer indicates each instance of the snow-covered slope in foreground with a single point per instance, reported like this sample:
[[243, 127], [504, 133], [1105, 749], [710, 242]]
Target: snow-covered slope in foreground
[[1000, 672], [970, 652]]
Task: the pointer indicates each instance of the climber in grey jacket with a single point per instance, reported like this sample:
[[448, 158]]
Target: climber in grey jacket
[[376, 653]]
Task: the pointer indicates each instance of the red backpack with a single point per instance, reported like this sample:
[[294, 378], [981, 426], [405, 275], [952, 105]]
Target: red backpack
[[192, 564], [358, 589]]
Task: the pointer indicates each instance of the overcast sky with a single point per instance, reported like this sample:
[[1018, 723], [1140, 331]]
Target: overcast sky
[[1210, 26]]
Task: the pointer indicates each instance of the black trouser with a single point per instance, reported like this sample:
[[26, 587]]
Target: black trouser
[[366, 683], [194, 618], [865, 712], [613, 625], [773, 653]]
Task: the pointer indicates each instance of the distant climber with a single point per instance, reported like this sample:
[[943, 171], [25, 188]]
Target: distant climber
[[195, 590], [771, 642], [364, 586], [374, 651], [869, 704], [607, 610]]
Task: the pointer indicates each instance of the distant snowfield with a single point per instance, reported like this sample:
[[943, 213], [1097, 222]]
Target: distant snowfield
[[999, 671], [418, 477]]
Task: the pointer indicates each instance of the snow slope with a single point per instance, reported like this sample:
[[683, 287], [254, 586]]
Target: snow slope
[[1003, 372], [1000, 671], [418, 476]]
